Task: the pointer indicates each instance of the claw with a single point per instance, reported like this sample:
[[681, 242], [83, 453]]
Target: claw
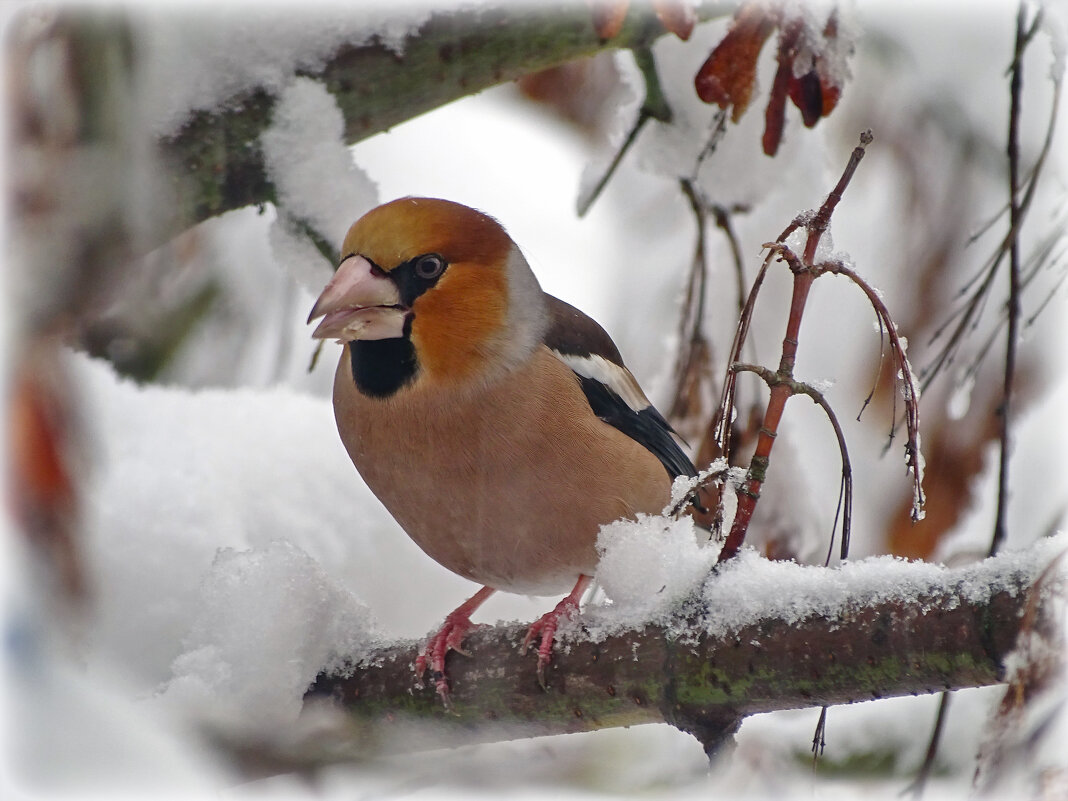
[[448, 638], [546, 626]]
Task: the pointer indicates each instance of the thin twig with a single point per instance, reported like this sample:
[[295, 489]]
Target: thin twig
[[968, 314], [722, 216], [845, 495], [300, 226], [878, 372], [1045, 301], [819, 737], [714, 474], [804, 274], [909, 387], [1012, 334], [715, 136], [693, 356], [655, 107], [1017, 212], [721, 432], [1040, 259], [585, 201]]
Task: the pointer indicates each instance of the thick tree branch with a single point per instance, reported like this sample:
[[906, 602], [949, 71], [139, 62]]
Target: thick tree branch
[[103, 198], [455, 53], [954, 636]]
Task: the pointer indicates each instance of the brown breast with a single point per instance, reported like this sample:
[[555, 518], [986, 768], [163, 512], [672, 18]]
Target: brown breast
[[507, 487]]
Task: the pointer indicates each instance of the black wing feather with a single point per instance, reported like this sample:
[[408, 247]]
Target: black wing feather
[[646, 427], [573, 333]]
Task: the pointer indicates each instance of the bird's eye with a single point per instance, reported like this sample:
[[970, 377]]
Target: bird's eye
[[429, 266]]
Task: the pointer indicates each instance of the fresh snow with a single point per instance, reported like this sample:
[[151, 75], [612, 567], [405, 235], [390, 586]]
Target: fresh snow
[[649, 566], [315, 177], [198, 55], [235, 553], [233, 550]]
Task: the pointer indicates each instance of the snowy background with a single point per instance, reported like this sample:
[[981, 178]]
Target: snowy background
[[232, 550]]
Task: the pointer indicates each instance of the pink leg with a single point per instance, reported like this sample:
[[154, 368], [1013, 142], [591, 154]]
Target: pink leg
[[449, 637], [547, 623]]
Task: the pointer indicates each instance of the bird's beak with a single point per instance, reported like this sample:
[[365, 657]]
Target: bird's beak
[[359, 303]]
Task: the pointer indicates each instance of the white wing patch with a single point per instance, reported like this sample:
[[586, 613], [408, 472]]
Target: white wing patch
[[616, 378]]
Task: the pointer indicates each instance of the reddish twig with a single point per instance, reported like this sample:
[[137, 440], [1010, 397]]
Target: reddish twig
[[845, 496], [721, 430], [909, 386], [804, 275]]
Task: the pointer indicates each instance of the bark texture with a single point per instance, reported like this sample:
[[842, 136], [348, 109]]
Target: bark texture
[[216, 156], [701, 683]]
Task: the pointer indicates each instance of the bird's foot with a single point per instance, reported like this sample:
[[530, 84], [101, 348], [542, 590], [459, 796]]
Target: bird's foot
[[545, 628], [450, 637]]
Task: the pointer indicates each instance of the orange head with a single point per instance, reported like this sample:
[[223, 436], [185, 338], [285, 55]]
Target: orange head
[[443, 278]]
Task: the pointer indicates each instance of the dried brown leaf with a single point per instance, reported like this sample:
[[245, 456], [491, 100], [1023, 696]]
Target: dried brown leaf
[[728, 76]]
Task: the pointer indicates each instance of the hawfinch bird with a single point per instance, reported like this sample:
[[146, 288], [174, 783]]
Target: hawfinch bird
[[496, 423]]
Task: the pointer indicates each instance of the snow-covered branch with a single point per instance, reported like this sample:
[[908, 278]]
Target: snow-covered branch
[[378, 84], [921, 629]]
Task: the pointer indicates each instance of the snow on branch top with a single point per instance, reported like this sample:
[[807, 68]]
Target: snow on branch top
[[648, 582], [197, 56]]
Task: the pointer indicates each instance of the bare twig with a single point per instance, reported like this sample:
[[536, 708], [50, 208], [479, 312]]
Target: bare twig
[[714, 474], [1045, 301], [1010, 245], [655, 107], [845, 496], [722, 216], [694, 352], [1013, 306], [819, 738], [721, 430], [804, 275], [1041, 258], [909, 387], [878, 373], [968, 314], [715, 136]]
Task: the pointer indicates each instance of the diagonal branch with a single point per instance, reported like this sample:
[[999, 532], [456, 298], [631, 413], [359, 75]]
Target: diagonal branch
[[455, 53]]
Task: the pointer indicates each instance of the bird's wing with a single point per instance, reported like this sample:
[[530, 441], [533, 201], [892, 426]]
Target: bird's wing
[[614, 394]]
